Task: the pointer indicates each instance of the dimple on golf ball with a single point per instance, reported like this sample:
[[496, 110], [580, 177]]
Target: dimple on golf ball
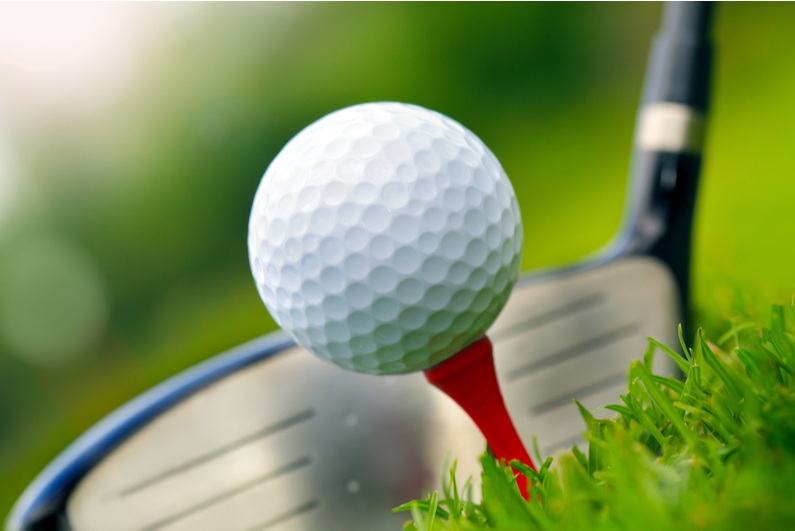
[[385, 238]]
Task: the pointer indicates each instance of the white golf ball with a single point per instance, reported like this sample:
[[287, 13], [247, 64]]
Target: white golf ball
[[385, 238]]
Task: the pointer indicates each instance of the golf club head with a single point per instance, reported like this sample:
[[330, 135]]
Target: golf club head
[[294, 443], [268, 437]]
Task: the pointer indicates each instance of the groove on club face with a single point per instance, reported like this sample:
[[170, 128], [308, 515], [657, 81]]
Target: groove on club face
[[580, 393], [548, 316], [219, 498], [265, 448], [574, 351], [215, 453]]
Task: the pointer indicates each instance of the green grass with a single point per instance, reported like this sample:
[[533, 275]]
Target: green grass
[[713, 451]]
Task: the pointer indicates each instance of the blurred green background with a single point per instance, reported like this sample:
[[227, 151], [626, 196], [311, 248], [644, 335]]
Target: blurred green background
[[133, 136]]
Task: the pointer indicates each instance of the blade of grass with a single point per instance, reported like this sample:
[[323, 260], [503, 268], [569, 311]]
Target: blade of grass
[[683, 364], [664, 404], [686, 351], [717, 366]]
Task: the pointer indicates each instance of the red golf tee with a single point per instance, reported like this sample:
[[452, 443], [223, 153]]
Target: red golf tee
[[469, 378]]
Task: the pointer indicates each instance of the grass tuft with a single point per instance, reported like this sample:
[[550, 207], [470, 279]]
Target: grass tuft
[[715, 451]]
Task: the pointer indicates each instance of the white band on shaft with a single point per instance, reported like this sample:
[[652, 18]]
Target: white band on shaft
[[670, 127]]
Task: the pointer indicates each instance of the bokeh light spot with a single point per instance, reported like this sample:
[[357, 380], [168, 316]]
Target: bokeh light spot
[[53, 304]]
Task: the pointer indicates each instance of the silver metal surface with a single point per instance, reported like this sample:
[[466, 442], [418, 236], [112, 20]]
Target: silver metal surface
[[294, 444]]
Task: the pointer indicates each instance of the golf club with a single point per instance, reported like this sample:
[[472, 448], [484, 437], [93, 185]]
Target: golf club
[[267, 437]]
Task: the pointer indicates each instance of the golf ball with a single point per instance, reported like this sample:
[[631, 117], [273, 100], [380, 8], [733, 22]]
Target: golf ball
[[385, 238]]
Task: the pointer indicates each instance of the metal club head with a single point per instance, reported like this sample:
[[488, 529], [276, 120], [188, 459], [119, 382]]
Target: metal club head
[[267, 437]]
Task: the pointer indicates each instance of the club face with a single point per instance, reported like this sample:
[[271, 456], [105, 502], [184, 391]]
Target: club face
[[293, 443]]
